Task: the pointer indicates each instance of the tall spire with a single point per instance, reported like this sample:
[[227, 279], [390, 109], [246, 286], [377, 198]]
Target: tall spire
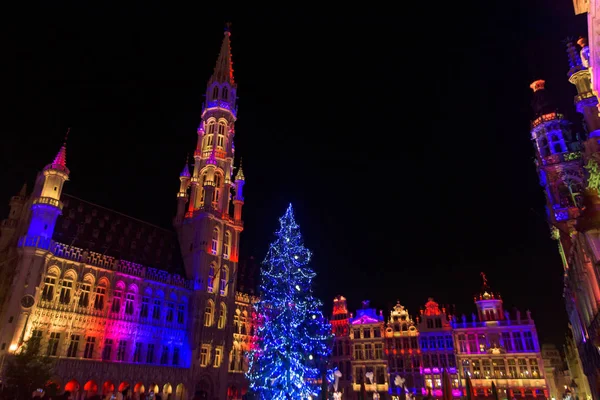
[[60, 161], [223, 71], [240, 173]]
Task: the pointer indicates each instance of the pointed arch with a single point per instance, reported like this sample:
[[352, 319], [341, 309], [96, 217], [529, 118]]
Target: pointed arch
[[215, 93], [70, 274], [225, 92], [120, 285], [103, 282], [54, 270], [89, 278]]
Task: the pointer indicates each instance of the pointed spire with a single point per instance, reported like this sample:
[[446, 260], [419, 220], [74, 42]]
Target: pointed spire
[[223, 71], [60, 161], [186, 168], [574, 58], [23, 191], [240, 174]]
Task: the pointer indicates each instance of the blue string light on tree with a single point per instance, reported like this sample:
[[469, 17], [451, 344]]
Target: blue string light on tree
[[293, 335]]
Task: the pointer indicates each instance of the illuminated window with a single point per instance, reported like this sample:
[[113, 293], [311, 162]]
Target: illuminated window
[[204, 355], [218, 356], [215, 241], [65, 292], [53, 343], [129, 300], [156, 310], [211, 127], [222, 127], [209, 312], [210, 285], [99, 298], [170, 312], [236, 322], [535, 370], [180, 314], [517, 341], [144, 309], [217, 191], [137, 352], [176, 352], [121, 350], [89, 347], [84, 297], [48, 292], [164, 356], [150, 354], [220, 141], [528, 341], [116, 305], [379, 350], [223, 281], [106, 352], [543, 146], [368, 351], [73, 345], [222, 316], [226, 244]]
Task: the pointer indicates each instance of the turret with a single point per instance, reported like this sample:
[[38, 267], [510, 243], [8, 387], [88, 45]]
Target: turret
[[579, 75], [182, 195], [9, 225], [46, 206], [238, 200], [340, 318], [489, 304], [559, 164]]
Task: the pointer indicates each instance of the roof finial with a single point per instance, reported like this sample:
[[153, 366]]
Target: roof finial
[[228, 28], [574, 58], [485, 281], [66, 136], [240, 174]]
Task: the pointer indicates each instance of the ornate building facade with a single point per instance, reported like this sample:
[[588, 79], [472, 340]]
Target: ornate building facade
[[501, 348], [437, 348], [492, 347], [122, 303], [569, 172]]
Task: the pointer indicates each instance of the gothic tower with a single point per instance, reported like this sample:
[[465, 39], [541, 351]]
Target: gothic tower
[[45, 207], [559, 165], [209, 234]]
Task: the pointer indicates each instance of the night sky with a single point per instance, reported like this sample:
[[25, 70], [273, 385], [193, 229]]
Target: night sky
[[400, 137]]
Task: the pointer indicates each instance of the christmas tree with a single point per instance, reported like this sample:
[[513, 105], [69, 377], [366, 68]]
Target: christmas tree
[[293, 338]]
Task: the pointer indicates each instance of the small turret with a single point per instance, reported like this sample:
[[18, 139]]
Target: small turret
[[46, 205], [9, 225], [489, 304], [340, 318], [238, 200], [182, 195]]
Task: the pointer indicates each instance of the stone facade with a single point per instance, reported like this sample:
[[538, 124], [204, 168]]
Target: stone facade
[[121, 303]]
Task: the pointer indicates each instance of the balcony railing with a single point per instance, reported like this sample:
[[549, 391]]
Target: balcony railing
[[103, 261], [561, 157], [49, 201], [546, 118]]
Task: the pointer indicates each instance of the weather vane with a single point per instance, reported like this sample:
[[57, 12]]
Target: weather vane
[[484, 279]]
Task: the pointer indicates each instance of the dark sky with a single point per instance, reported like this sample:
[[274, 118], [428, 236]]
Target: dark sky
[[401, 137]]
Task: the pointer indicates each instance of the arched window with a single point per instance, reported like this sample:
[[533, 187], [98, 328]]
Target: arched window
[[66, 289], [557, 148], [544, 148], [215, 241], [226, 244], [222, 316], [217, 191], [211, 126], [210, 286], [236, 322], [215, 92], [225, 92], [223, 280], [49, 286], [209, 313], [222, 127]]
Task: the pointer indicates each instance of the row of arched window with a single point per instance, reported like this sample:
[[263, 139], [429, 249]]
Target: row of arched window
[[224, 92], [209, 314], [214, 129], [125, 302], [215, 239]]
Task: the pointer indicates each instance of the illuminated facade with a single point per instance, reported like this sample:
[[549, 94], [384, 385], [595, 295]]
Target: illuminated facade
[[402, 348], [366, 333], [437, 348], [122, 303], [341, 354], [501, 348], [570, 175]]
